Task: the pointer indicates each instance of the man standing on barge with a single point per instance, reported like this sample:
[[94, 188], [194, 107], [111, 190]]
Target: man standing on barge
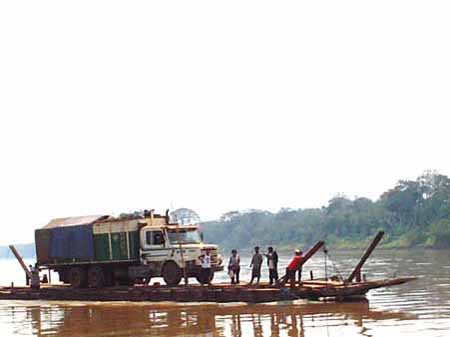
[[35, 280], [256, 263], [205, 275], [234, 267], [272, 263], [292, 268]]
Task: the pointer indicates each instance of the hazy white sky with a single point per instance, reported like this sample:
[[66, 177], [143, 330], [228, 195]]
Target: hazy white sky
[[110, 106]]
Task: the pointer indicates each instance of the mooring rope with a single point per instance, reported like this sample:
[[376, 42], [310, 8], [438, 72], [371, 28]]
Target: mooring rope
[[336, 269]]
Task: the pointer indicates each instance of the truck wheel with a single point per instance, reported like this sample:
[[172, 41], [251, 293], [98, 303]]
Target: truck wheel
[[96, 278], [130, 282], [107, 277], [201, 280], [77, 277], [172, 274]]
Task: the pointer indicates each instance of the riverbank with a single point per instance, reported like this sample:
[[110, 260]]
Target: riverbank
[[399, 243], [27, 251]]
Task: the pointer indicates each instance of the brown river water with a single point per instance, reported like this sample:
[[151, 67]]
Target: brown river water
[[419, 308]]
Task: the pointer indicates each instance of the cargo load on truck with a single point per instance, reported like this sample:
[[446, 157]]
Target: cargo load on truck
[[103, 250]]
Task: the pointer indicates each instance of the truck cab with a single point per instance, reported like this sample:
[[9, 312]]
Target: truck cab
[[173, 251]]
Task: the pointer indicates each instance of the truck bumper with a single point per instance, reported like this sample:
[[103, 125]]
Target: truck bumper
[[217, 268], [194, 270]]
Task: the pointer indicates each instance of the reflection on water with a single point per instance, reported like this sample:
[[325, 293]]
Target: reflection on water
[[298, 318], [420, 308]]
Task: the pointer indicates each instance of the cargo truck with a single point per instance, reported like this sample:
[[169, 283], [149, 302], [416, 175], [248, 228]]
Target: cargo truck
[[101, 250]]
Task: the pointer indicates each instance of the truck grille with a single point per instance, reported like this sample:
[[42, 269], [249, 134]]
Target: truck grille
[[214, 256]]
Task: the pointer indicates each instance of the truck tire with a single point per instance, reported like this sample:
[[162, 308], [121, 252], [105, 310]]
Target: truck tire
[[200, 279], [96, 277], [107, 277], [78, 277], [127, 282], [172, 274]]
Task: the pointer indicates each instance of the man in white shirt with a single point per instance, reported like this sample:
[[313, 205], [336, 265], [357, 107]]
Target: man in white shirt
[[205, 274], [272, 263]]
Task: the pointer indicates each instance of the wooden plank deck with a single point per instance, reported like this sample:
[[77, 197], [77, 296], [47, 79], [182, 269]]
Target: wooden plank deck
[[220, 293]]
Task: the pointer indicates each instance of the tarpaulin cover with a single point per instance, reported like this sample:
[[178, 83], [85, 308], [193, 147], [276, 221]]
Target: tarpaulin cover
[[42, 241], [75, 242]]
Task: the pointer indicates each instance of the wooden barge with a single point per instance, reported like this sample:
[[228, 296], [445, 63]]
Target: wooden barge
[[220, 293], [340, 290]]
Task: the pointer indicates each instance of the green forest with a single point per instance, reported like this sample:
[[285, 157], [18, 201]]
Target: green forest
[[412, 214]]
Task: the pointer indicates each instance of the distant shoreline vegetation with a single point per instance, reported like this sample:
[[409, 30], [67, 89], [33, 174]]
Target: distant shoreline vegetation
[[414, 213], [27, 251]]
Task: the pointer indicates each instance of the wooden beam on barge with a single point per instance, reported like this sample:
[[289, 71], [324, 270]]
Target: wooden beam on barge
[[21, 262], [311, 252], [357, 270], [314, 249], [342, 291]]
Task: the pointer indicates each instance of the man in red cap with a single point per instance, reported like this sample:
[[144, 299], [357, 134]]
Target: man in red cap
[[292, 268]]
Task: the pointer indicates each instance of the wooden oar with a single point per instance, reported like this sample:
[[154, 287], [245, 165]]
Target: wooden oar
[[304, 259]]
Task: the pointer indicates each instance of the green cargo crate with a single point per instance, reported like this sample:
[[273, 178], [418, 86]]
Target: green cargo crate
[[101, 246], [122, 249], [119, 246], [134, 244]]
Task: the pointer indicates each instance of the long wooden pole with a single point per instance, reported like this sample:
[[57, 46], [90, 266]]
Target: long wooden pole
[[21, 262], [304, 259], [311, 252], [181, 254], [180, 247], [366, 255]]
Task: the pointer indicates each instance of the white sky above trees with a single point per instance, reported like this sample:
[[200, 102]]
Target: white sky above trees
[[109, 106]]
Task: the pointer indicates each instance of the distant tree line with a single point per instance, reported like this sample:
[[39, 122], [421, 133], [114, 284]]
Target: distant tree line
[[412, 214], [27, 251]]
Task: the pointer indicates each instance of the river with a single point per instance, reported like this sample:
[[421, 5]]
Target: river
[[420, 308]]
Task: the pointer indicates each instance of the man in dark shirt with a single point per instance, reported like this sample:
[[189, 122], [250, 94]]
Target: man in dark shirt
[[256, 263], [272, 263], [234, 266]]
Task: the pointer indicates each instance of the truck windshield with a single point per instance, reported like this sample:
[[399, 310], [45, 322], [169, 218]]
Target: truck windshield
[[185, 236]]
